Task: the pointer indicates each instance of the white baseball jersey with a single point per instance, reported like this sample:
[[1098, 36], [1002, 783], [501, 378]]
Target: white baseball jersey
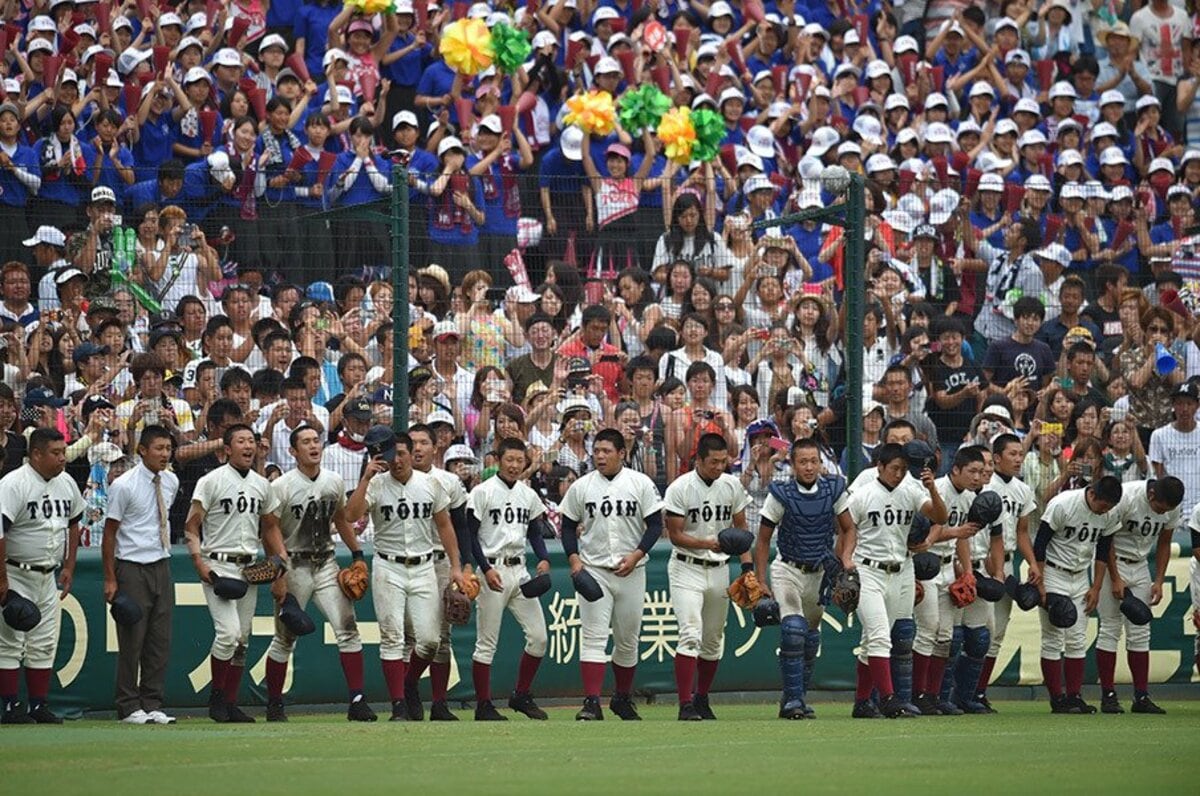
[[870, 475], [1018, 500], [1140, 524], [233, 503], [403, 513], [958, 504], [1076, 530], [504, 513], [707, 509], [611, 514], [306, 507], [38, 514], [883, 518]]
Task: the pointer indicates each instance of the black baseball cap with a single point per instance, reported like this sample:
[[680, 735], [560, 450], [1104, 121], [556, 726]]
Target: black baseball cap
[[43, 396]]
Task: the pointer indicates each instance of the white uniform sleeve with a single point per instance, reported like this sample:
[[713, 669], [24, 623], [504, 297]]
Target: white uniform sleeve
[[373, 488], [536, 507], [271, 502], [1053, 516], [441, 501], [741, 497], [649, 499], [118, 494], [201, 494], [279, 492], [676, 501], [1193, 521], [772, 510], [570, 506], [456, 493]]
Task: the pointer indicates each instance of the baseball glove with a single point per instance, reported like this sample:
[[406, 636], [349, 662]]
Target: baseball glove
[[746, 591], [456, 606], [846, 589], [472, 581], [353, 580], [264, 571], [962, 590]]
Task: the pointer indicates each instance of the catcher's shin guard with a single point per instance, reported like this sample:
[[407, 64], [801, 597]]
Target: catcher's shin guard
[[812, 646], [956, 643], [792, 631], [976, 641], [904, 631]]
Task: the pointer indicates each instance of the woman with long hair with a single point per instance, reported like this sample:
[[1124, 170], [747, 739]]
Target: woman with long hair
[[485, 330], [818, 354], [64, 160], [680, 276], [639, 439], [1085, 466], [490, 388], [689, 238], [634, 310], [1124, 456]]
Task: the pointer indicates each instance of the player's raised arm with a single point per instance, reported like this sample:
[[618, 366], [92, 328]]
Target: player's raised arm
[[358, 505], [935, 507]]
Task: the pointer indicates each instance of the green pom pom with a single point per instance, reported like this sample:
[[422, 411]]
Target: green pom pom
[[511, 47], [641, 108], [710, 131]]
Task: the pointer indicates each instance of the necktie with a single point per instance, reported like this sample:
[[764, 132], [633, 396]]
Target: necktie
[[162, 512]]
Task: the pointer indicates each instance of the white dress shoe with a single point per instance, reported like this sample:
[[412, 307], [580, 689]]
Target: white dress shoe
[[137, 717], [158, 717]]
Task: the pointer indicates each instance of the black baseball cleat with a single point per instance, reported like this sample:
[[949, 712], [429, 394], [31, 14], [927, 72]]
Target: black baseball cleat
[[794, 711], [359, 710], [1142, 704], [486, 711], [622, 705], [973, 707], [948, 708], [43, 715], [809, 712], [700, 702], [590, 711], [1084, 707], [1063, 704], [893, 707], [687, 712], [412, 700], [15, 713], [982, 699], [275, 711], [399, 710], [523, 703], [865, 709], [927, 704], [1109, 703], [236, 716], [218, 710], [440, 711]]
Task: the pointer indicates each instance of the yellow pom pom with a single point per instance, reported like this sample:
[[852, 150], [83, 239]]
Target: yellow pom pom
[[466, 46], [677, 135], [594, 112]]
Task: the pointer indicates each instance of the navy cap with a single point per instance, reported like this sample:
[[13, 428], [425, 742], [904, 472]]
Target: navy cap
[[85, 351], [43, 396]]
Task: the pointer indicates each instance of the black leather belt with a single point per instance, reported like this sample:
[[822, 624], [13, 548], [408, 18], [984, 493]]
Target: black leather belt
[[231, 558], [700, 562], [1007, 557], [947, 559], [1130, 560], [882, 566], [410, 561], [30, 567], [1061, 568], [304, 556], [439, 555], [511, 561], [803, 567]]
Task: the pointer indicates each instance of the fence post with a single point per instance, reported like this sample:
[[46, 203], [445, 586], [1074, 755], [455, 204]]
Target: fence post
[[400, 320], [855, 276]]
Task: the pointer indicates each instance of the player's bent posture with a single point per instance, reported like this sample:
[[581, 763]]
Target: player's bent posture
[[1150, 513], [424, 455], [309, 500], [803, 512], [876, 544], [1019, 502], [936, 615], [137, 564], [231, 508], [40, 506], [502, 513], [408, 510], [611, 518], [698, 506], [1074, 537]]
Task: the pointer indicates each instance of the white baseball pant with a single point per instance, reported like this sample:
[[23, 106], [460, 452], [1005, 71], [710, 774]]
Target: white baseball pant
[[34, 648], [1112, 621], [489, 612], [881, 601], [405, 593], [936, 615], [1002, 609], [979, 613], [619, 609], [320, 585], [797, 592], [232, 619], [441, 568], [700, 598], [1070, 642]]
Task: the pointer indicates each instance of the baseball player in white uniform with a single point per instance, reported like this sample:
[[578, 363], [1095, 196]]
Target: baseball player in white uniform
[[936, 615], [310, 499], [424, 453], [231, 507], [697, 507], [876, 544], [40, 506], [1194, 529], [1074, 539], [408, 511], [611, 519], [1150, 512], [502, 513], [1008, 454]]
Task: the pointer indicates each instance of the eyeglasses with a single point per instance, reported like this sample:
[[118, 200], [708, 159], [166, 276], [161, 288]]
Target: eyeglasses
[[1157, 328]]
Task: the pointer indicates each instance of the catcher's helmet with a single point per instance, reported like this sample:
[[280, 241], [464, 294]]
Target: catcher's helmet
[[294, 618]]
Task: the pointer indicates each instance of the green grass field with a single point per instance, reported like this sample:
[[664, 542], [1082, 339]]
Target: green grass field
[[1023, 748]]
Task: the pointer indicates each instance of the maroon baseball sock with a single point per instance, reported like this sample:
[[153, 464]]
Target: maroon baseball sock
[[10, 684], [1073, 671], [707, 672], [1106, 665], [416, 667], [217, 669], [1139, 667], [276, 674], [352, 668], [593, 678], [685, 676], [920, 673], [933, 680], [624, 678], [481, 675], [37, 682], [881, 674], [393, 675], [1052, 674], [526, 671], [439, 680], [862, 684], [233, 681], [985, 675]]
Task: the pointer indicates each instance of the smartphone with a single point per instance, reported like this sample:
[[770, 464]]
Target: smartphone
[[935, 347], [1067, 383], [1085, 471], [610, 358], [321, 324], [1052, 428], [1117, 414], [778, 443], [117, 220]]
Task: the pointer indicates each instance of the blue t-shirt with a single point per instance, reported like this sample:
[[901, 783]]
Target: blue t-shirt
[[501, 195], [12, 191], [451, 225], [312, 25], [407, 69]]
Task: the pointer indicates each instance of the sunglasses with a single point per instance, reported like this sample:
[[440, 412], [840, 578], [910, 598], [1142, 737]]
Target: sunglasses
[[1157, 328]]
